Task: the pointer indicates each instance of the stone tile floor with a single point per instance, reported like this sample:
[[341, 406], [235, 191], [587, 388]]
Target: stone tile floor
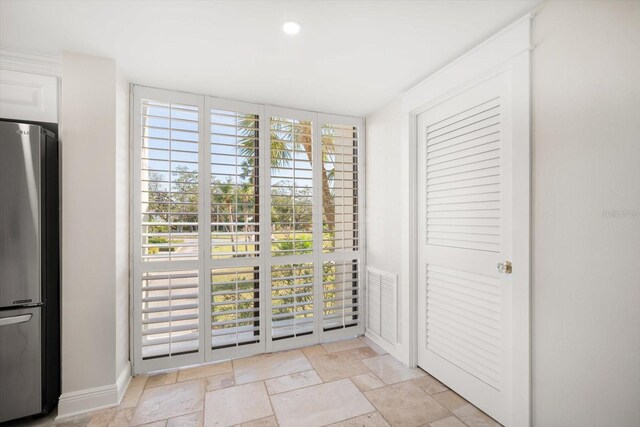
[[346, 383]]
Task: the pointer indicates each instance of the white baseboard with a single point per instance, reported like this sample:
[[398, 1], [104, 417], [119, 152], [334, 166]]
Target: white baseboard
[[123, 381], [93, 399]]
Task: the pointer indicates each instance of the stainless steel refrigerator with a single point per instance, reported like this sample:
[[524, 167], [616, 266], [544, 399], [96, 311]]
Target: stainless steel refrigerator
[[29, 270]]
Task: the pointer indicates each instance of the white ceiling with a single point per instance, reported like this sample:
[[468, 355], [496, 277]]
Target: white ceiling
[[350, 57]]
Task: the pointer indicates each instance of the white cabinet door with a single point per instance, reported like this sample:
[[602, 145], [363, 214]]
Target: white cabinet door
[[465, 225], [26, 96]]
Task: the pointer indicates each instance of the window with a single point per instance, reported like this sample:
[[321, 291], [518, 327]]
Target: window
[[247, 228]]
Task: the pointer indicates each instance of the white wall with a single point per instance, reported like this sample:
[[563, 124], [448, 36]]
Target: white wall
[[384, 211], [586, 160], [94, 233], [586, 267]]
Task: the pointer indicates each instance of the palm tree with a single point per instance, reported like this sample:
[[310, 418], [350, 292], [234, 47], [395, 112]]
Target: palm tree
[[282, 143]]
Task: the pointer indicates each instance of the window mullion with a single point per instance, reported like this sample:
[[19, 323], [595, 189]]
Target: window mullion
[[204, 193]]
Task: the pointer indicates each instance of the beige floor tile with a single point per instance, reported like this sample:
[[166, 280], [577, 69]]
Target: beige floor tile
[[373, 419], [450, 400], [203, 371], [195, 419], [271, 365], [314, 349], [161, 379], [264, 422], [430, 384], [123, 418], [474, 417], [220, 381], [100, 418], [368, 381], [236, 405], [448, 422], [406, 404], [390, 370], [134, 391], [320, 405], [161, 423], [169, 401], [292, 382], [375, 347], [342, 364], [332, 347]]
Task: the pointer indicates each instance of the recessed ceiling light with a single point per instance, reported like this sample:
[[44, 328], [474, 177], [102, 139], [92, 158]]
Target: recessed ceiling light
[[291, 28]]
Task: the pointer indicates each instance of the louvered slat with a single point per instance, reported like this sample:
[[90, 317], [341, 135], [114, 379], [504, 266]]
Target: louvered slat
[[463, 179], [382, 304], [341, 294], [235, 306], [464, 321], [292, 300], [170, 320], [291, 186], [235, 203], [340, 188], [169, 181]]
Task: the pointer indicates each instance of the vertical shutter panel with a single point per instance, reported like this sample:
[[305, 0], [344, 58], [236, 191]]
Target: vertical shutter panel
[[235, 214], [291, 187], [169, 180], [340, 188]]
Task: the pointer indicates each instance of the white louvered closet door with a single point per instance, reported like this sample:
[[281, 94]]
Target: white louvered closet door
[[465, 208]]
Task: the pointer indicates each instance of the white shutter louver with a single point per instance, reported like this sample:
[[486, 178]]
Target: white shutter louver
[[169, 313], [340, 188], [292, 300], [169, 180], [235, 306], [341, 294], [463, 179], [291, 187], [235, 207]]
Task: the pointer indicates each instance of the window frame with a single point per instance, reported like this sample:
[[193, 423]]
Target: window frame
[[205, 264]]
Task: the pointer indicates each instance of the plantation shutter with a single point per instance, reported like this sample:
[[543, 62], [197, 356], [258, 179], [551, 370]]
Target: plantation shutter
[[168, 230], [247, 228], [235, 228], [341, 219]]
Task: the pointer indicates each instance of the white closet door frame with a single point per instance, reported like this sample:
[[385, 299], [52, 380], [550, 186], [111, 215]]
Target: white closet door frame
[[510, 50]]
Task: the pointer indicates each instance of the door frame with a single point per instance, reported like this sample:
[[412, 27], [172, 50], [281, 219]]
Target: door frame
[[506, 52]]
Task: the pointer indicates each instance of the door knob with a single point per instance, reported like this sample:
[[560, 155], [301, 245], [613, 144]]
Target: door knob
[[505, 267]]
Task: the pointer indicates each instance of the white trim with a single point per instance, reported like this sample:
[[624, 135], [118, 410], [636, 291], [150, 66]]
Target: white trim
[[124, 379], [88, 400], [35, 63], [93, 399], [507, 49], [492, 53]]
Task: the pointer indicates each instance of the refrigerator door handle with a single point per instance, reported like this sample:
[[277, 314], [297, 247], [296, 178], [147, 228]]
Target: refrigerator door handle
[[15, 319]]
